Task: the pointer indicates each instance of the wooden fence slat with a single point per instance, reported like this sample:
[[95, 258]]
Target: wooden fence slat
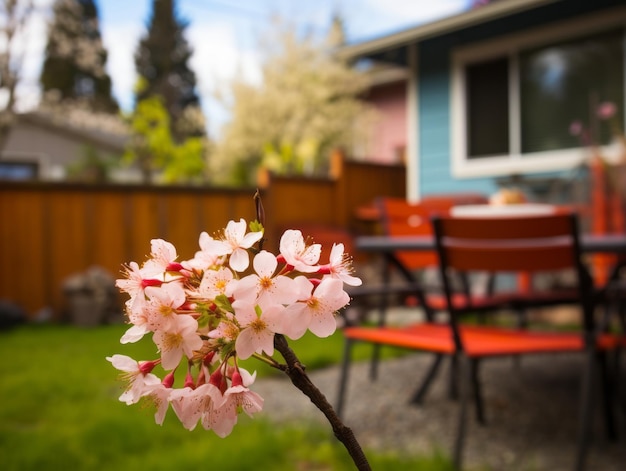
[[50, 231]]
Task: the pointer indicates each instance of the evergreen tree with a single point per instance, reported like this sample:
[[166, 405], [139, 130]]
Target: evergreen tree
[[161, 60], [75, 59]]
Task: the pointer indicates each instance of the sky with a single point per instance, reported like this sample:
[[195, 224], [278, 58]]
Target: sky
[[224, 35]]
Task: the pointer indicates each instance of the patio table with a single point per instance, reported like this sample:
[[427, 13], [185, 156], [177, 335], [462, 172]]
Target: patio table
[[589, 243]]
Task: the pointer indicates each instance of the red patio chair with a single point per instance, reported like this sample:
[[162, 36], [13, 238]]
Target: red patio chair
[[400, 217], [521, 244], [530, 244]]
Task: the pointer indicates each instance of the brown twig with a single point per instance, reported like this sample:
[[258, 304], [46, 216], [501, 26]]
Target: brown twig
[[260, 215], [295, 370]]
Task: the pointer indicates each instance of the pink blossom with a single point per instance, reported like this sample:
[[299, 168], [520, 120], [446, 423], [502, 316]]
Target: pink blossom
[[234, 243], [340, 266], [181, 339], [162, 303], [182, 401], [136, 331], [227, 329], [576, 128], [204, 259], [297, 254], [184, 304], [134, 284], [139, 383], [263, 287], [213, 417], [190, 405], [162, 258], [317, 311], [606, 110], [215, 282], [159, 397], [258, 329], [237, 397]]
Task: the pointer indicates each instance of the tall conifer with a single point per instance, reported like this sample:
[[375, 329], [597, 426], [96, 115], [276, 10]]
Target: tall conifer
[[161, 60], [75, 59]]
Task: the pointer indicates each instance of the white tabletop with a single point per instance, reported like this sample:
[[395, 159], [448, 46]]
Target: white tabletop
[[492, 210]]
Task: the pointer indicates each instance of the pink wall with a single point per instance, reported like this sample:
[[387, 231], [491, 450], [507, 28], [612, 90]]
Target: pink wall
[[389, 136]]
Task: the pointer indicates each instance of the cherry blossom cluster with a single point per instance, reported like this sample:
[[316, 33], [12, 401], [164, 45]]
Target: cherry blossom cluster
[[224, 304]]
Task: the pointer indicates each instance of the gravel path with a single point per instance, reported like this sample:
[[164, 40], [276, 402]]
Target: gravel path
[[531, 412]]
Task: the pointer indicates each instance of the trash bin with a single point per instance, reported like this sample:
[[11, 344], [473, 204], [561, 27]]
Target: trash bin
[[91, 297]]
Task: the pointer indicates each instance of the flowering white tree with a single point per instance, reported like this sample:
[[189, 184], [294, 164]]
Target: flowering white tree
[[306, 105], [231, 301]]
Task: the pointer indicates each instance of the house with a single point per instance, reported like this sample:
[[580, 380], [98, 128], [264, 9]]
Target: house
[[43, 145], [492, 92], [386, 94]]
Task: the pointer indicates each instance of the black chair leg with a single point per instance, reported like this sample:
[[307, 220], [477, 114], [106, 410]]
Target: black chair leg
[[476, 388], [374, 362], [343, 379], [418, 397], [586, 410], [608, 396], [465, 379], [453, 392], [620, 394], [522, 324]]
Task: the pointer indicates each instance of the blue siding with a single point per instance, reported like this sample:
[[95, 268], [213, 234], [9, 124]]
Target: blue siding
[[434, 128], [434, 91]]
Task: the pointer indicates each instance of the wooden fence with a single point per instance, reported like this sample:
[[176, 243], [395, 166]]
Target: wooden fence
[[51, 231]]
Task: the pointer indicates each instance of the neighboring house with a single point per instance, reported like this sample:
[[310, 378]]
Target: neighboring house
[[492, 92], [42, 145], [387, 95]]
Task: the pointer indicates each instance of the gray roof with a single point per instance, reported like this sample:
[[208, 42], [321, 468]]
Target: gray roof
[[393, 45], [113, 140]]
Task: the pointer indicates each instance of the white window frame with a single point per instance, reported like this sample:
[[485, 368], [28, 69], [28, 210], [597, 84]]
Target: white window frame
[[511, 46]]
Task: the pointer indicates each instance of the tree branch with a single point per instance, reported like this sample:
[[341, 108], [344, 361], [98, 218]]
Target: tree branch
[[297, 375]]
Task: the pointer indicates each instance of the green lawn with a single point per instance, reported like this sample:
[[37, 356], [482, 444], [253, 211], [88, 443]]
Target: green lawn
[[59, 410]]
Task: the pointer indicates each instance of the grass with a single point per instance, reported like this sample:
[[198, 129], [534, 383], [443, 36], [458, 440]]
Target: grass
[[59, 410]]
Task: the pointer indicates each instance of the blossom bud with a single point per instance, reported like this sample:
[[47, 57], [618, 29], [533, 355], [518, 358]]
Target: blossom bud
[[147, 366], [168, 380], [236, 379], [189, 381], [201, 377], [208, 358], [324, 270], [217, 380], [174, 266], [150, 282]]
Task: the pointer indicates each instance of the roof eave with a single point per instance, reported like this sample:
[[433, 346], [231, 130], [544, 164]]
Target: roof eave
[[472, 17]]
